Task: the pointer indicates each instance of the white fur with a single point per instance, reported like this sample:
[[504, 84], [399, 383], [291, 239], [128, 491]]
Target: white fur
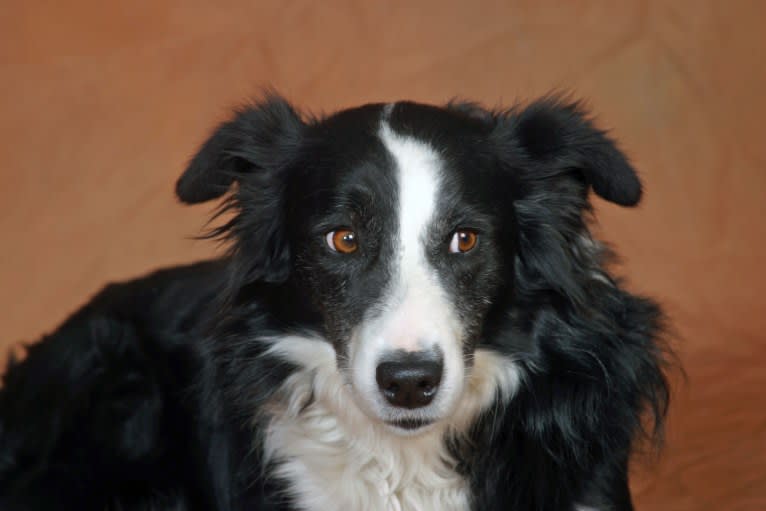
[[334, 457], [416, 313], [588, 248]]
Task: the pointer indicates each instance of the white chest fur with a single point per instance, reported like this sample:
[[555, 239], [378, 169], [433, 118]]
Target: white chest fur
[[334, 457]]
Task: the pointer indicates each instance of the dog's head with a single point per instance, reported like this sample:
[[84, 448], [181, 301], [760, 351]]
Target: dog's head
[[411, 230]]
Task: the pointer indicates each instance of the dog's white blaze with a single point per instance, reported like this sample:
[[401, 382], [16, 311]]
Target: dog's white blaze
[[334, 457], [415, 299], [415, 313]]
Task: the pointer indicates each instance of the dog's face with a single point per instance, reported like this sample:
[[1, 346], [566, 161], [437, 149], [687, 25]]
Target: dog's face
[[402, 225], [399, 237]]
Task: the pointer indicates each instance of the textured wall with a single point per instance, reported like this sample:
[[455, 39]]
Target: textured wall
[[102, 105]]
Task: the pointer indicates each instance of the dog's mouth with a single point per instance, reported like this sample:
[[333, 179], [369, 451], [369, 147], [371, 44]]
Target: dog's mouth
[[410, 425]]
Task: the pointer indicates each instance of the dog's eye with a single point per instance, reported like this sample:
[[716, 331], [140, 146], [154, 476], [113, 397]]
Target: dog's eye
[[463, 241], [342, 240]]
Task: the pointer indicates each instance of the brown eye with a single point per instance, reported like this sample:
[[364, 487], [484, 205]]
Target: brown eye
[[462, 241], [342, 240]]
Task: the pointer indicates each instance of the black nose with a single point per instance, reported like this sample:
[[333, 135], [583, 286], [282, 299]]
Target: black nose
[[410, 380]]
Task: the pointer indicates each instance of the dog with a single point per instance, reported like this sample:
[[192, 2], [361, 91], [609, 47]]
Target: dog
[[412, 315]]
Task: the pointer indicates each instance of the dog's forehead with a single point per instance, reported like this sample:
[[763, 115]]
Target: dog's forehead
[[440, 126], [354, 161], [354, 144], [444, 128]]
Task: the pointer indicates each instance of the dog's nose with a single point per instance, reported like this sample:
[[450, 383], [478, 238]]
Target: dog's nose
[[410, 380]]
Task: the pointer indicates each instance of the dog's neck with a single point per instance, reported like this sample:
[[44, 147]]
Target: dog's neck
[[333, 456]]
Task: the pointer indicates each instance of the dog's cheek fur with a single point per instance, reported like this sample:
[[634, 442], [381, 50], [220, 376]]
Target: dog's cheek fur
[[341, 288], [341, 301], [588, 381], [473, 282]]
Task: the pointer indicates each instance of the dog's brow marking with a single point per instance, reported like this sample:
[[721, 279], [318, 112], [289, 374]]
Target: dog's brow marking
[[415, 297], [418, 175]]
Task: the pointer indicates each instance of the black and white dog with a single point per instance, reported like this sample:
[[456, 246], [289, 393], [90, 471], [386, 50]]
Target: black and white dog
[[413, 316]]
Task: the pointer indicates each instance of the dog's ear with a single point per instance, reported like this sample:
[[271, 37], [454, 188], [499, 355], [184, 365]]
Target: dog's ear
[[559, 139], [254, 149], [556, 154], [258, 138]]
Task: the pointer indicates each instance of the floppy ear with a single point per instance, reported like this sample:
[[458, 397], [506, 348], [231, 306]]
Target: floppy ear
[[254, 149], [556, 154], [258, 138], [559, 136]]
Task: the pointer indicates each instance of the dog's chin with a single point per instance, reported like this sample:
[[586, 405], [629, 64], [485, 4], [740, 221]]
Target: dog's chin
[[410, 426], [393, 422]]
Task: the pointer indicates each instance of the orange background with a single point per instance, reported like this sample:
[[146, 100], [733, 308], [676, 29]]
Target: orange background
[[101, 105]]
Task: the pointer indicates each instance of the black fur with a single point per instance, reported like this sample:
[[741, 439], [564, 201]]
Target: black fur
[[149, 397]]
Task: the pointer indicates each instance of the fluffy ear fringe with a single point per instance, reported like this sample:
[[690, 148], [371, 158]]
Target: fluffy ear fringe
[[256, 138], [558, 137], [254, 150]]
